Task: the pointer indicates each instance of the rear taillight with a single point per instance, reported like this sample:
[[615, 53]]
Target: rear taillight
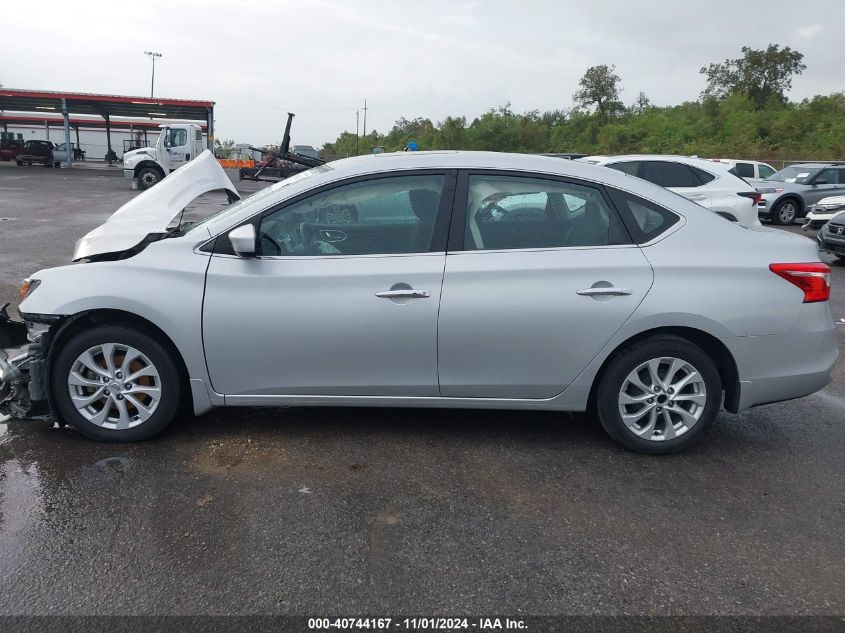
[[754, 195], [813, 279]]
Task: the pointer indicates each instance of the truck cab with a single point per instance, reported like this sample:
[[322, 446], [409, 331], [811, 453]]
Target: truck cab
[[178, 144]]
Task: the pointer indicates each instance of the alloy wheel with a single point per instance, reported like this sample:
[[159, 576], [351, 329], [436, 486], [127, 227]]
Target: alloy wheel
[[114, 386], [787, 212], [662, 399]]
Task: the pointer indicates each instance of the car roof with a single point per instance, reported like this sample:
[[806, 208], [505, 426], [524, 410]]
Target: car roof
[[738, 160], [702, 163], [455, 159], [818, 165]]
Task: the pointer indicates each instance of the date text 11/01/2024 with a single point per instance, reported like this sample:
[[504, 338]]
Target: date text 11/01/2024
[[416, 624]]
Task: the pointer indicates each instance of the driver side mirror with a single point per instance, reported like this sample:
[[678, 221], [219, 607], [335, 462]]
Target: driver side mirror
[[243, 240], [820, 182]]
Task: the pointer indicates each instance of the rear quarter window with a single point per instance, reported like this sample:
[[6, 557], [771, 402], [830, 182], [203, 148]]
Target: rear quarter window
[[630, 167], [644, 220]]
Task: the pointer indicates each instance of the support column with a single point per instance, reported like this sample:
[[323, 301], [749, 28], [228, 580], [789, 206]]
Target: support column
[[47, 130], [211, 128], [108, 138], [68, 148]]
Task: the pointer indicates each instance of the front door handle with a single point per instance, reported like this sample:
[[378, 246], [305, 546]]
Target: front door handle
[[612, 290], [404, 293]]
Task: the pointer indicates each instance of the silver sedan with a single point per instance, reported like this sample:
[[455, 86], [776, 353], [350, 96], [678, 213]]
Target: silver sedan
[[442, 279]]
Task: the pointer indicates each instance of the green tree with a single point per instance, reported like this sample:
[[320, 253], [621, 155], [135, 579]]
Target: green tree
[[600, 88], [761, 75], [224, 149], [641, 104]]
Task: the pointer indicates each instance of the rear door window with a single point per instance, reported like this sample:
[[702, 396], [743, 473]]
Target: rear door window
[[514, 212], [669, 174]]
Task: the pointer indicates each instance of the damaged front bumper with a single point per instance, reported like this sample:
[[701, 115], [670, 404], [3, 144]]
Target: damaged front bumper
[[23, 375]]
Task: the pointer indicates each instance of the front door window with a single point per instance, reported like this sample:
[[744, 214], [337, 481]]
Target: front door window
[[374, 217]]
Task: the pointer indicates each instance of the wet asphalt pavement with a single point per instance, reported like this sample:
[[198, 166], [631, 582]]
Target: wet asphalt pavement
[[327, 511]]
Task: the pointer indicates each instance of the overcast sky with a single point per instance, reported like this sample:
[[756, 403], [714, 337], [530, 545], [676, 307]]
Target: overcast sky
[[258, 59]]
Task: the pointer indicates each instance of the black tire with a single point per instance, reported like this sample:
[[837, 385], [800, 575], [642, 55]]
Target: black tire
[[149, 177], [19, 163], [149, 346], [782, 206], [625, 362]]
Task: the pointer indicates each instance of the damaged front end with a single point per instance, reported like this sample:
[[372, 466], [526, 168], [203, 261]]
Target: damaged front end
[[23, 360]]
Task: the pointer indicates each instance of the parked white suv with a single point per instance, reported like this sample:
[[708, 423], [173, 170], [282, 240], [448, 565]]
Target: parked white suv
[[706, 182]]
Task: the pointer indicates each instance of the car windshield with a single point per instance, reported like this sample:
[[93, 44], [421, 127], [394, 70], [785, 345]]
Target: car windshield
[[793, 174], [237, 205]]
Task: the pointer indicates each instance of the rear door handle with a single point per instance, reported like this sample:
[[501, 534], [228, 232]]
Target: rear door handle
[[591, 292], [408, 293]]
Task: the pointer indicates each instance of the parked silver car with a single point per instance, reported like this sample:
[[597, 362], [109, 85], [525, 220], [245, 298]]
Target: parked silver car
[[788, 194], [450, 279]]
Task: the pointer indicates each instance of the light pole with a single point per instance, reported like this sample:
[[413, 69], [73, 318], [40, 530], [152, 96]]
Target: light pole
[[152, 55]]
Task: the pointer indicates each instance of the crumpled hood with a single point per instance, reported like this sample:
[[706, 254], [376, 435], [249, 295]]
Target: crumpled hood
[[151, 211]]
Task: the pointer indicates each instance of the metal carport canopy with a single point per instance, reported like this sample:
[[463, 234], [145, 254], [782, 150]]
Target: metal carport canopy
[[107, 106]]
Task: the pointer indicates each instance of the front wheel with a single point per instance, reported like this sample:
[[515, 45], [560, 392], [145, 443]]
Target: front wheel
[[116, 384], [148, 177], [785, 212], [659, 395]]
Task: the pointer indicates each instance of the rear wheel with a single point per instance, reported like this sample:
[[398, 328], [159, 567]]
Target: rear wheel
[[149, 177], [116, 384], [659, 395], [785, 212]]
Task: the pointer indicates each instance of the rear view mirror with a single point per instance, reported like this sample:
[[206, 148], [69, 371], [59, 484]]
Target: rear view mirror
[[820, 182], [243, 240]]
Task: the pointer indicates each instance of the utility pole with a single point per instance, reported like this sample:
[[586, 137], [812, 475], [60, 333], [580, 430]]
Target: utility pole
[[365, 119], [357, 117], [152, 55]]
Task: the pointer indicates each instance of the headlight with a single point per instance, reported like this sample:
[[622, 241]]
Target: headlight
[[27, 287]]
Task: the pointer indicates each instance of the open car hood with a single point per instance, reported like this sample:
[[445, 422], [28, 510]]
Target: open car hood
[[151, 211]]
